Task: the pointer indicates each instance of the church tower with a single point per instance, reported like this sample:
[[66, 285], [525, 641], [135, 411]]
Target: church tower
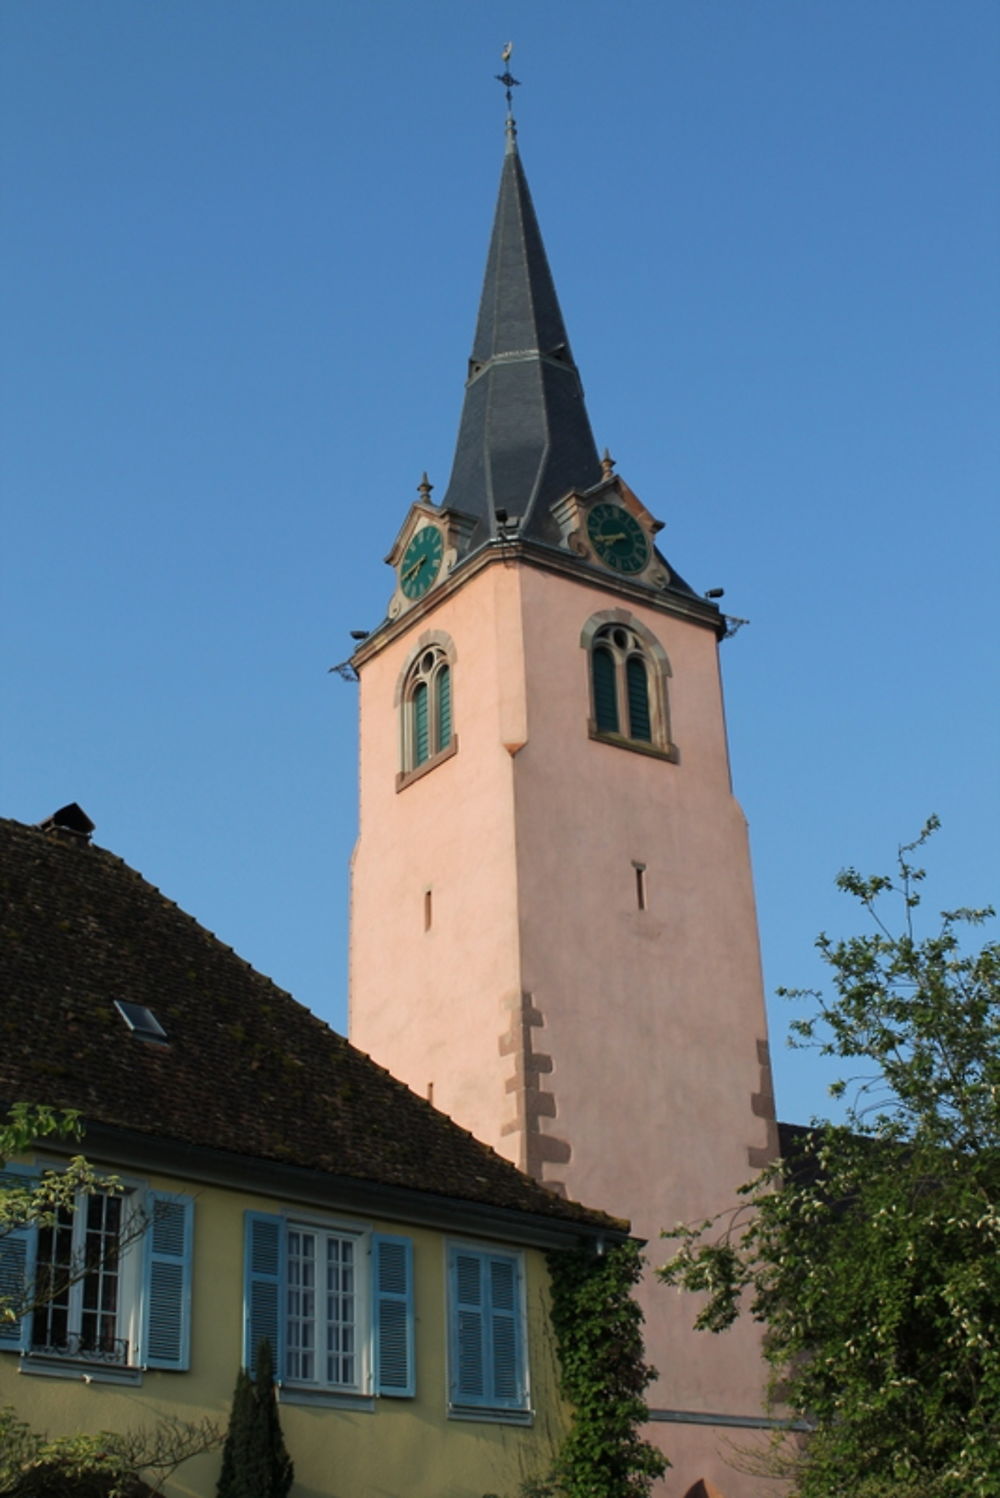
[[553, 932]]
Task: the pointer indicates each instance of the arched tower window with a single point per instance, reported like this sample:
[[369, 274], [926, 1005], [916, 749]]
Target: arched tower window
[[425, 699], [628, 684]]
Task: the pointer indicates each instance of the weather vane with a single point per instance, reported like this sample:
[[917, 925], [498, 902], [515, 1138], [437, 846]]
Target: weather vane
[[507, 78]]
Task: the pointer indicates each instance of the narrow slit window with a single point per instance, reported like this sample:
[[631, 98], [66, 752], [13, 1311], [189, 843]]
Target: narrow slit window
[[640, 885], [428, 909]]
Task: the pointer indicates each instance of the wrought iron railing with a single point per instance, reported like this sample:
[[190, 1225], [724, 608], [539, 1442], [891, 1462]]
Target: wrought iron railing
[[112, 1350]]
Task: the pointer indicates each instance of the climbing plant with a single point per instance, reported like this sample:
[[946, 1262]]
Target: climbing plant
[[598, 1330]]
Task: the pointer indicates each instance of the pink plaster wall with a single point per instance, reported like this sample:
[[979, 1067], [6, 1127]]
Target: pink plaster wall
[[428, 1004], [650, 1019]]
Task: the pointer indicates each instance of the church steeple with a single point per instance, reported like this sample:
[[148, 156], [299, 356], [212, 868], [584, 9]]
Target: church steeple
[[552, 922], [524, 438]]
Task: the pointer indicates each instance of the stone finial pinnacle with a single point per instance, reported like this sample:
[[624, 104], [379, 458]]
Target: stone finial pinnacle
[[607, 464], [424, 489]]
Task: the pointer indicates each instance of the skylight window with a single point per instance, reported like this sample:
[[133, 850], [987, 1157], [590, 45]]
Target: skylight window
[[141, 1021]]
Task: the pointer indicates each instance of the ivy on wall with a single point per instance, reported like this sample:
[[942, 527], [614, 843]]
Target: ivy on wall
[[598, 1329]]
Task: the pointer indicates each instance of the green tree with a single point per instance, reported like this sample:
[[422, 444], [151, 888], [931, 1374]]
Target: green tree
[[255, 1463], [105, 1465], [37, 1204], [109, 1464], [872, 1255]]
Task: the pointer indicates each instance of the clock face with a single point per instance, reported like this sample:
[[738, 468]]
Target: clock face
[[421, 561], [618, 538]]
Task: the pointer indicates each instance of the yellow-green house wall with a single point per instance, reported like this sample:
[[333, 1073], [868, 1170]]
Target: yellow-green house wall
[[405, 1447]]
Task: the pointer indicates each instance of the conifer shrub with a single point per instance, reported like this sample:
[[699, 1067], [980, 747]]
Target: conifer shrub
[[255, 1462]]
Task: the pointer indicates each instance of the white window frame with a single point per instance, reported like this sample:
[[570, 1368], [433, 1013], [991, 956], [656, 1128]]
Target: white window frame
[[153, 1311], [131, 1229], [383, 1308], [361, 1242]]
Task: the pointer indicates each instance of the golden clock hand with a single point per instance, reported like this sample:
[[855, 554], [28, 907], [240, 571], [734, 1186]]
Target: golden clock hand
[[415, 568], [610, 540]]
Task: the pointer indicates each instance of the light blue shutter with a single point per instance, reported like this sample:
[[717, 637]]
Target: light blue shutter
[[468, 1329], [421, 725], [605, 690], [506, 1332], [263, 1287], [637, 683], [166, 1307], [443, 684], [393, 1301], [17, 1265]]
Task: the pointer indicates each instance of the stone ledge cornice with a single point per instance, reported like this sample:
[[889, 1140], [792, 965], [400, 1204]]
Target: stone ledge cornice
[[547, 559]]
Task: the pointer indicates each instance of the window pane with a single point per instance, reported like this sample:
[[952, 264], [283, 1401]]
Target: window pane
[[301, 1338], [637, 682], [605, 690], [421, 725], [340, 1314], [52, 1283], [322, 1309]]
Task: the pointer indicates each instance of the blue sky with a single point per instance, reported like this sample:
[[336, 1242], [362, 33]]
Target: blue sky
[[243, 246]]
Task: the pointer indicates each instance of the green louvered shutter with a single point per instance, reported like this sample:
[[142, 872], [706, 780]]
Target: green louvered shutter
[[393, 1300], [166, 1309], [505, 1332], [443, 684], [468, 1329], [421, 724], [637, 683], [605, 690], [17, 1265], [263, 1284]]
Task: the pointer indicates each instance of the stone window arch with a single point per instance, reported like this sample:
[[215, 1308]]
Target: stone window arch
[[628, 673], [425, 698]]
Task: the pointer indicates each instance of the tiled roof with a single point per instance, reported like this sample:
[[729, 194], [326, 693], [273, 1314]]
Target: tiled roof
[[247, 1070]]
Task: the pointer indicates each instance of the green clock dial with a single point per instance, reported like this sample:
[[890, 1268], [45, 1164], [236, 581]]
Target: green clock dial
[[618, 538], [421, 561]]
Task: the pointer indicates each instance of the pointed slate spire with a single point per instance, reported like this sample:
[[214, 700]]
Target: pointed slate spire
[[524, 438]]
